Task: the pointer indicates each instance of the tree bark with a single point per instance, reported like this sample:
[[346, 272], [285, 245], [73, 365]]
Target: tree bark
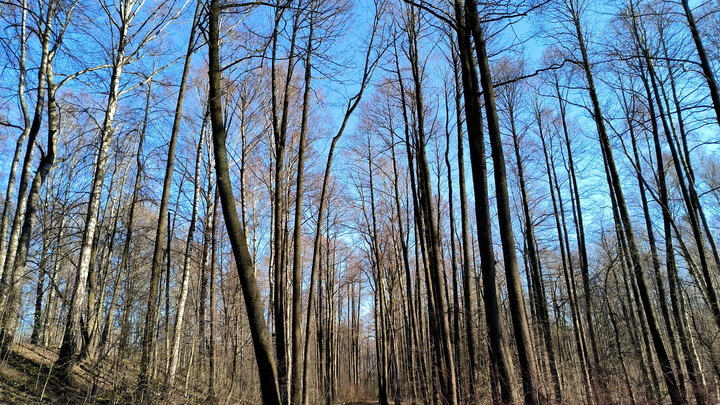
[[708, 72], [185, 281], [160, 231]]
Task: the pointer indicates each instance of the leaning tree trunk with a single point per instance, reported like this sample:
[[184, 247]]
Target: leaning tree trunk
[[664, 200], [258, 328], [27, 125], [707, 69], [8, 271], [47, 160]]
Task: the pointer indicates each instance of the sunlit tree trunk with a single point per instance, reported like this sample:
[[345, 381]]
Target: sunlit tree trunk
[[47, 160], [26, 129], [185, 281], [537, 286], [614, 183], [563, 245], [579, 222], [72, 339], [296, 332], [162, 224], [439, 320], [368, 68], [31, 129]]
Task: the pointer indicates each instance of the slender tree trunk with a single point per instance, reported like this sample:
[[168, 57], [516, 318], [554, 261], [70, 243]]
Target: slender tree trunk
[[124, 266], [368, 68], [212, 380], [160, 231], [537, 286], [580, 229], [280, 117], [27, 125], [297, 347], [47, 160], [563, 243], [707, 69], [618, 347], [613, 180], [438, 315], [9, 272], [456, 336], [696, 382], [467, 272], [185, 282], [39, 314], [72, 339], [381, 329]]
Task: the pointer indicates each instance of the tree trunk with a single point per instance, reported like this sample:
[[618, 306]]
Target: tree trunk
[[31, 129], [185, 282], [515, 294], [368, 68], [466, 247], [72, 339], [258, 328], [613, 180], [297, 348], [439, 322], [708, 72], [500, 365], [160, 231], [537, 286]]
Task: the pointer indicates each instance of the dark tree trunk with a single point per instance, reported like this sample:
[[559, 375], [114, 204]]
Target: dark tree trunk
[[258, 328], [500, 365], [515, 294]]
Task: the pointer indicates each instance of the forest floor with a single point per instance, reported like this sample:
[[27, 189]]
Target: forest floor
[[362, 403], [26, 377]]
